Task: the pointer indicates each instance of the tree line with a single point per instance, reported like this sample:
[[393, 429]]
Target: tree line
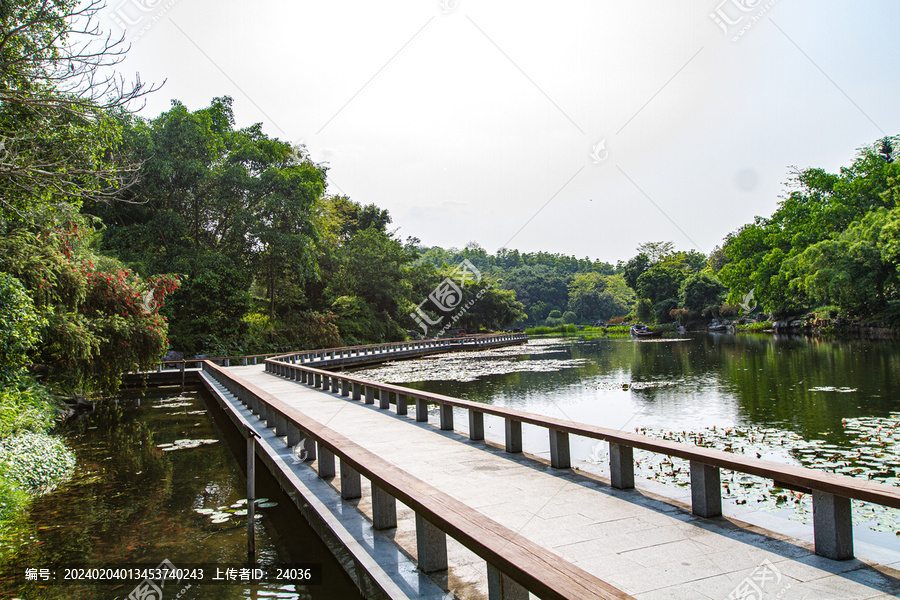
[[125, 237]]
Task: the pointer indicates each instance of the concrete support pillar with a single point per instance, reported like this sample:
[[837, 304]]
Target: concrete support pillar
[[621, 466], [832, 525], [326, 382], [309, 445], [370, 395], [326, 462], [356, 391], [318, 380], [384, 509], [706, 490], [351, 483], [431, 546], [513, 435], [476, 424], [384, 399], [446, 412], [560, 457], [401, 404], [345, 388], [262, 409], [334, 385], [293, 435], [279, 421], [421, 410], [501, 587]]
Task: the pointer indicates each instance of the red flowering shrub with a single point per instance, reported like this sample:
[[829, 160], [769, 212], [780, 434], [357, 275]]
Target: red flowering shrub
[[102, 320]]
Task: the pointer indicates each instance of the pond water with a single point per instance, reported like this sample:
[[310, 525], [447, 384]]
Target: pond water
[[161, 477], [827, 404]]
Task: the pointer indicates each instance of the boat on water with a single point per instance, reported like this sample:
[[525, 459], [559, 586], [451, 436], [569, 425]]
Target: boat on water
[[642, 331]]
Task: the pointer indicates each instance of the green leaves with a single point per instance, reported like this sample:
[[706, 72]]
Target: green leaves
[[594, 296], [830, 240], [20, 326]]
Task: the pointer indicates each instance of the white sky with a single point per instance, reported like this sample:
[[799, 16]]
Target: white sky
[[476, 121]]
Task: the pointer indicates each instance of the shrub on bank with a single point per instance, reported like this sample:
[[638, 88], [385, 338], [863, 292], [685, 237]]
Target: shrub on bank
[[753, 327], [26, 406], [35, 463], [543, 329]]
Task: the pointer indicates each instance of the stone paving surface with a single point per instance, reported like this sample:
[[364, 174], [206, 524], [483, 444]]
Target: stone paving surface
[[638, 543]]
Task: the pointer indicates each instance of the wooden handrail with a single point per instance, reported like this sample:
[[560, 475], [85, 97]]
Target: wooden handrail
[[802, 477], [282, 355], [425, 341], [831, 493], [538, 570]]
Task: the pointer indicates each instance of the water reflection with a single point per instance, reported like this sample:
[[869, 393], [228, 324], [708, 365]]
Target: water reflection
[[710, 379], [829, 405], [139, 480]]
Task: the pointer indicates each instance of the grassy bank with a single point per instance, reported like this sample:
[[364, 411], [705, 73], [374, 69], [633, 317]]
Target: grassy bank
[[544, 330], [32, 461], [590, 333], [754, 327]]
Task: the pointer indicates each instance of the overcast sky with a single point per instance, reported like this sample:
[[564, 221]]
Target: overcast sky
[[584, 127]]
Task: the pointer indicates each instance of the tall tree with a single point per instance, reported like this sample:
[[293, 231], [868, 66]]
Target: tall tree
[[59, 106]]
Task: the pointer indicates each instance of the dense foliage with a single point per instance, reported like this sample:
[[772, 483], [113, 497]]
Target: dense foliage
[[832, 241]]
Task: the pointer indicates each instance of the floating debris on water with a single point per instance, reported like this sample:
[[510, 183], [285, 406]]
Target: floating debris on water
[[829, 388], [224, 514], [461, 367], [184, 444], [632, 385]]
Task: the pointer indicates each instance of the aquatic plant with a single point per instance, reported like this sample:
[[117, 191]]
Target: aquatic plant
[[224, 514], [873, 454], [35, 462]]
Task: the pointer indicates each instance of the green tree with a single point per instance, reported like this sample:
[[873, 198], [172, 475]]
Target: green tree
[[849, 271], [593, 296], [489, 307], [102, 320], [764, 256], [701, 291], [60, 102], [20, 326]]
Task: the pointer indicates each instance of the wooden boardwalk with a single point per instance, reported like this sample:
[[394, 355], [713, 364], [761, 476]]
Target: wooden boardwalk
[[632, 539]]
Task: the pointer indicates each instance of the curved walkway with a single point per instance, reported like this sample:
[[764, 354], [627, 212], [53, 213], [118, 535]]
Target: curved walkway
[[637, 542]]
